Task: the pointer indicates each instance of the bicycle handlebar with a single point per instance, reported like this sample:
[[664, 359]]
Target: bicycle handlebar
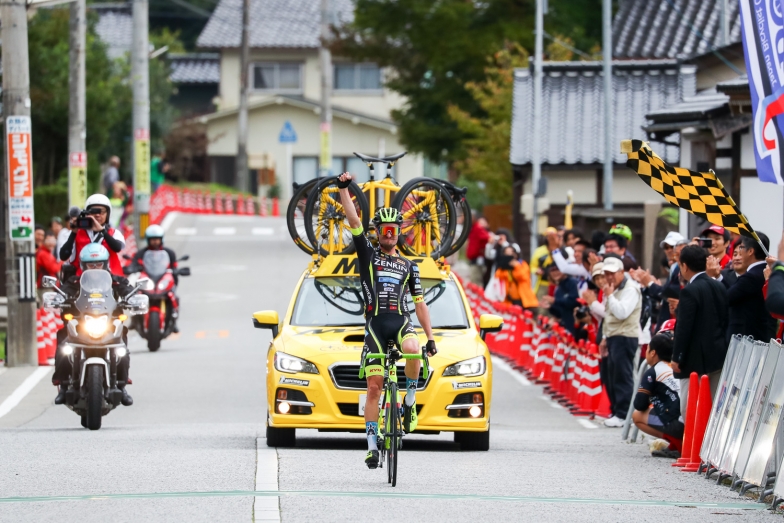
[[404, 356]]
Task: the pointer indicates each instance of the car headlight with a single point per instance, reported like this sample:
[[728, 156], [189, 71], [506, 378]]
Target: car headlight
[[96, 326], [473, 367], [288, 363]]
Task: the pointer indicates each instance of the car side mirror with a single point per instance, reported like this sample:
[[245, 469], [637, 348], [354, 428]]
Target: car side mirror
[[185, 258], [49, 281], [489, 323], [267, 320]]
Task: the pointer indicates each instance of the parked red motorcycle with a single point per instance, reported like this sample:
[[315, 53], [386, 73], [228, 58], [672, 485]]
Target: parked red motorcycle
[[157, 324]]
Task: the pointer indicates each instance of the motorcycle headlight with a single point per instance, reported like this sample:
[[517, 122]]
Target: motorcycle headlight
[[288, 363], [473, 367], [96, 326], [161, 285]]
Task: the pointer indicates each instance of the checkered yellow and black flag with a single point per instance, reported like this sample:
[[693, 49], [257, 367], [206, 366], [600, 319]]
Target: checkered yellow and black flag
[[701, 194]]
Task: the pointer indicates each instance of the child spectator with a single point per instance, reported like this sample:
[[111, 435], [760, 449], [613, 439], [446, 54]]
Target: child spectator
[[660, 389]]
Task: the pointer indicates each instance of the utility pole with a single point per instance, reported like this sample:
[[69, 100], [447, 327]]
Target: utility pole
[[18, 186], [536, 145], [77, 123], [242, 117], [140, 73], [609, 139], [325, 58]]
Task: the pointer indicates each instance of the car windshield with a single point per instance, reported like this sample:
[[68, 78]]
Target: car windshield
[[155, 263], [338, 302]]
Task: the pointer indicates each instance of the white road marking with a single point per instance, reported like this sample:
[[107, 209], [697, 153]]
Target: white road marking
[[23, 390], [185, 231], [266, 508], [169, 219], [224, 231], [587, 424], [522, 380], [263, 231]]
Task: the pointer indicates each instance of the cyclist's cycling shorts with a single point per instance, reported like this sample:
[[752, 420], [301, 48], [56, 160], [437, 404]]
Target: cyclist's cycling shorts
[[378, 331]]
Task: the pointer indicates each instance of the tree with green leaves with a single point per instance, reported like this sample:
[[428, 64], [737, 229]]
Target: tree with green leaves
[[438, 47], [486, 138]]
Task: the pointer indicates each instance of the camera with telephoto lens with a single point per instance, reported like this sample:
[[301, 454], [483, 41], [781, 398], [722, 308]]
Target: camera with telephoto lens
[[83, 221]]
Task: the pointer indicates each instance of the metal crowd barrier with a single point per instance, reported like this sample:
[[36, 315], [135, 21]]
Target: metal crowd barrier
[[744, 438]]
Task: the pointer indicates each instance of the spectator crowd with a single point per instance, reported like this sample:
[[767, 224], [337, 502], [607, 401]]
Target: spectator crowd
[[679, 318]]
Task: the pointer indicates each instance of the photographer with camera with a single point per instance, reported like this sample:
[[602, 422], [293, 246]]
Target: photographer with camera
[[92, 227]]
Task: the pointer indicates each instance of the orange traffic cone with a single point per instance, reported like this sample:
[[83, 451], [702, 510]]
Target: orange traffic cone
[[691, 408], [704, 405]]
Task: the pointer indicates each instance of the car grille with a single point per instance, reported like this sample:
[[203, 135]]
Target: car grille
[[346, 376], [352, 409]]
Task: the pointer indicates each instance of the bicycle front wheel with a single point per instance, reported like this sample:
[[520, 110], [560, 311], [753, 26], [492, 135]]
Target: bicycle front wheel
[[429, 218], [394, 431], [325, 218]]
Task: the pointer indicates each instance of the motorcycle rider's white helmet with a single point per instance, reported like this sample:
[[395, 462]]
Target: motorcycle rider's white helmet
[[153, 231], [99, 200]]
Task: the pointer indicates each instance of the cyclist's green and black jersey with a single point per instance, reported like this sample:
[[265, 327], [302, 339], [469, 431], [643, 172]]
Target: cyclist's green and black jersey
[[385, 278], [384, 281]]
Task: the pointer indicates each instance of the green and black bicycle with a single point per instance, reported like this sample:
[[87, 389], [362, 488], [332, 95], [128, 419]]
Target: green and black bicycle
[[390, 415]]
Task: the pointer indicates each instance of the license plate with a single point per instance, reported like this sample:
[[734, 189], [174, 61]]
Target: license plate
[[363, 400]]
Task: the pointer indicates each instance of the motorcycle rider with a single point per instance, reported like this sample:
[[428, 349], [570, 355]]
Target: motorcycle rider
[[386, 279], [100, 233], [154, 237], [93, 256]]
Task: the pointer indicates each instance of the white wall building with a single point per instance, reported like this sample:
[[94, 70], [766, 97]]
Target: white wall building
[[285, 87]]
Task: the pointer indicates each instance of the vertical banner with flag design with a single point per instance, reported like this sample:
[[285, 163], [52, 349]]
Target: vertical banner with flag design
[[762, 23], [19, 149], [77, 179]]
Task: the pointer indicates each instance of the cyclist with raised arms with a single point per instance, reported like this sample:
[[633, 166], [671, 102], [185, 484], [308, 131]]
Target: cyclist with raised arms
[[385, 277]]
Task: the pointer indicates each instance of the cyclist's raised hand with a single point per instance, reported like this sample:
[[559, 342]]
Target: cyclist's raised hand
[[430, 348], [344, 180]]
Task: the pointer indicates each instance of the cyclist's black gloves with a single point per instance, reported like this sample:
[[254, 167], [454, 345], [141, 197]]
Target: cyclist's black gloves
[[430, 348], [343, 185]]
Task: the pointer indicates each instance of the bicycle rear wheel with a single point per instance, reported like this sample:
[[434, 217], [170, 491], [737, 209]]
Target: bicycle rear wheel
[[463, 220], [295, 215], [325, 218], [394, 432], [428, 218]]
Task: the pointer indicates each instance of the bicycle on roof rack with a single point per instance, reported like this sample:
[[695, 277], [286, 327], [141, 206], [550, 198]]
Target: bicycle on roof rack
[[436, 215]]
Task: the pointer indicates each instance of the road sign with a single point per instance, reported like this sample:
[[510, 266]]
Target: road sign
[[77, 179], [287, 133], [20, 171]]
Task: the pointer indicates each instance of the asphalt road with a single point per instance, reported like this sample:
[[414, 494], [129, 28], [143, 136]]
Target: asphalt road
[[192, 447]]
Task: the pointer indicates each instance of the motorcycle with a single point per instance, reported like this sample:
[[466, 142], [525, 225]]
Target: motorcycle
[[157, 324], [94, 343]]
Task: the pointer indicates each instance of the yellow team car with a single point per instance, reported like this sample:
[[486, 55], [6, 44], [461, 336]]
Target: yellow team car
[[314, 358]]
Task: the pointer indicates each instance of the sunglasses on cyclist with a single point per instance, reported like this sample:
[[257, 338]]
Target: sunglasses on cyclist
[[394, 230]]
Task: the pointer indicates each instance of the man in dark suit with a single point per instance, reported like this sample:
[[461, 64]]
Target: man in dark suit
[[700, 344], [747, 314]]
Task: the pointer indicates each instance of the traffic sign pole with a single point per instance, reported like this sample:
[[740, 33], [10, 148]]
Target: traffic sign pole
[[288, 136], [21, 341]]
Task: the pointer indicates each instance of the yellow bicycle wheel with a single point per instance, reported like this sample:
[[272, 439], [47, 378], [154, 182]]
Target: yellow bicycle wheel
[[429, 218], [326, 223]]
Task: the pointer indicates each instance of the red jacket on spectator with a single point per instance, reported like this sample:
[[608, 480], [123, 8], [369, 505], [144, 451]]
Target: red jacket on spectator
[[477, 239], [725, 260], [45, 264]]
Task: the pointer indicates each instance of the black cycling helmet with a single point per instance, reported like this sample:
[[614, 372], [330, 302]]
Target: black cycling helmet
[[388, 215]]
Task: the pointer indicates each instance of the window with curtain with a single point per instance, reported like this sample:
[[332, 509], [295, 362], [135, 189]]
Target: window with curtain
[[357, 77], [277, 76]]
